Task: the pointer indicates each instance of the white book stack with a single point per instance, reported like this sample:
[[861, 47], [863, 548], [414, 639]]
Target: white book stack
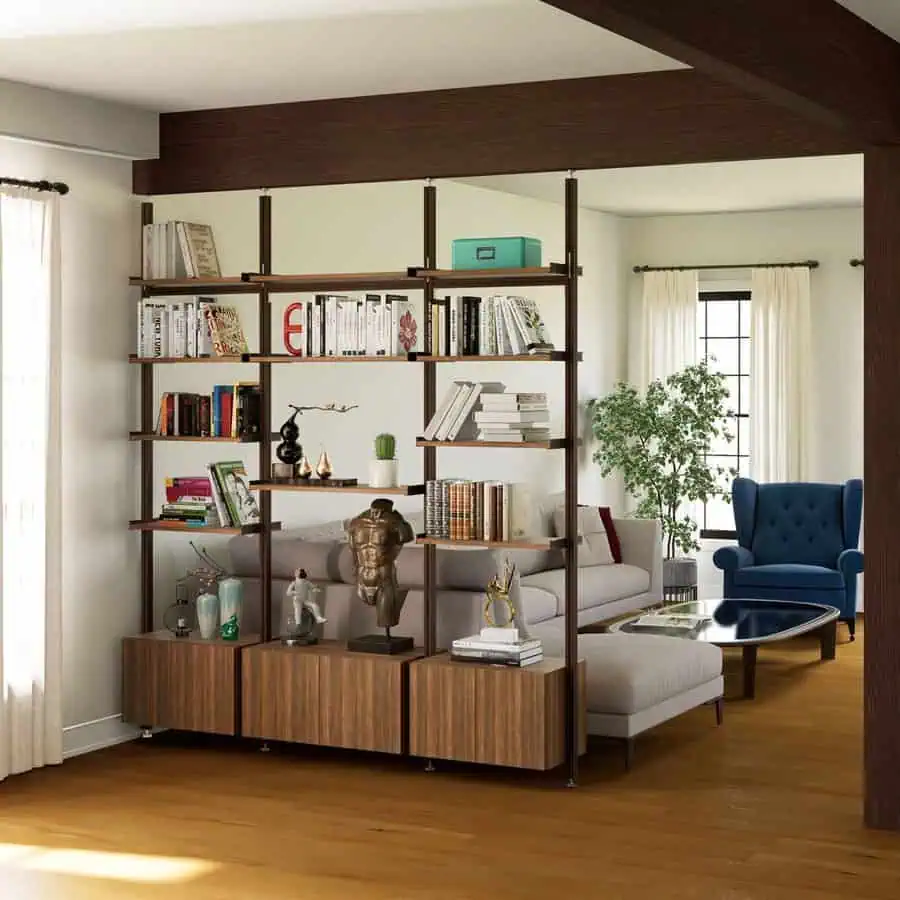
[[498, 646], [453, 419], [513, 417]]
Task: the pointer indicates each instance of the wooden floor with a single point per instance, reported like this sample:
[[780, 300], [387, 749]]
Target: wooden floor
[[768, 806]]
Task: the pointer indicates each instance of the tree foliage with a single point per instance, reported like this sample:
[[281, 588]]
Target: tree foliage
[[660, 442]]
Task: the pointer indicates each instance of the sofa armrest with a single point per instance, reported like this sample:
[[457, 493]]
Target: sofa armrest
[[850, 563], [730, 558], [641, 542]]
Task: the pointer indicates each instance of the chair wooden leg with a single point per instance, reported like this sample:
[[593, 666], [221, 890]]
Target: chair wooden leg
[[851, 625]]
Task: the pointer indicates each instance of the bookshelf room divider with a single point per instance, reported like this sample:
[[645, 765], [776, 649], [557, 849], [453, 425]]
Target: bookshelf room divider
[[165, 677]]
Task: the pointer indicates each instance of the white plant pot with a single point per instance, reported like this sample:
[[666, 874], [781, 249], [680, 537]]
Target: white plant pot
[[383, 473]]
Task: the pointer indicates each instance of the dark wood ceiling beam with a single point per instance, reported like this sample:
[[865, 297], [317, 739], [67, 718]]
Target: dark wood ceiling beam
[[658, 118], [814, 57]]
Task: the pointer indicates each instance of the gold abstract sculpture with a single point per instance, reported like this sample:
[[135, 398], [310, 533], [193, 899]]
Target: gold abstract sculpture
[[376, 537], [497, 591]]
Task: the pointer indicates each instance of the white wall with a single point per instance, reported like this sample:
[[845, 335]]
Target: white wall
[[71, 120], [100, 558], [375, 228], [832, 236]]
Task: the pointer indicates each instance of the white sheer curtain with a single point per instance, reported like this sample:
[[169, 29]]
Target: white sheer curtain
[[780, 367], [667, 338], [30, 474]]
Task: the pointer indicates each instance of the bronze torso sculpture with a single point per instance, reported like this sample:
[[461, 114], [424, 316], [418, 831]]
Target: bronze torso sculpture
[[376, 538]]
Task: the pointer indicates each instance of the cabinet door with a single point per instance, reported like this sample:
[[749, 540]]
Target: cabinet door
[[442, 711], [280, 695], [361, 702]]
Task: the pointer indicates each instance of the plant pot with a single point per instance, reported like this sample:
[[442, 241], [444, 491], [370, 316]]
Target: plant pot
[[679, 572], [383, 473]]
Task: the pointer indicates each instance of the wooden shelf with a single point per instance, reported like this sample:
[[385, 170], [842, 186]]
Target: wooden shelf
[[538, 276], [532, 544], [556, 443], [544, 356], [184, 438], [315, 484], [164, 525], [173, 286], [157, 360], [288, 358], [339, 281]]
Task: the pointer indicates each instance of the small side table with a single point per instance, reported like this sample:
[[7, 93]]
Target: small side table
[[679, 580]]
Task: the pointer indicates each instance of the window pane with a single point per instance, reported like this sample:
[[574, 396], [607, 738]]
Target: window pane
[[721, 447], [745, 317], [746, 387], [701, 322], [745, 356], [719, 516], [744, 435], [731, 401], [723, 356], [722, 318]]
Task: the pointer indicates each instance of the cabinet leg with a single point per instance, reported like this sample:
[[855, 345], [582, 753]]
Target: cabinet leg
[[429, 765], [264, 748], [146, 733], [720, 710]]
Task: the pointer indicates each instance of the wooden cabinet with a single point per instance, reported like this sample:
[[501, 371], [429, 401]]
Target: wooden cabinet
[[324, 694], [183, 683], [491, 714]]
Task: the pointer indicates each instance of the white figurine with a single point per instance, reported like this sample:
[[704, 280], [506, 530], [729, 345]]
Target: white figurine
[[298, 594]]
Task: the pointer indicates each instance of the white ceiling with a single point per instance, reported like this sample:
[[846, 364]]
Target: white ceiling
[[883, 14], [817, 182], [191, 54]]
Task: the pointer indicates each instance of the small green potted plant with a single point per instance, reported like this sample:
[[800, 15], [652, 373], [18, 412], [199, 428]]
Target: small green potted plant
[[383, 469], [659, 442]]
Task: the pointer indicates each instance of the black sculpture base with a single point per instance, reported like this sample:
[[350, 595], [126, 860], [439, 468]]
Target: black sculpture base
[[380, 643]]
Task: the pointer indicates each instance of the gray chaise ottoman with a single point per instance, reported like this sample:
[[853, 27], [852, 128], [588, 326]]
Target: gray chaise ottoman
[[637, 681]]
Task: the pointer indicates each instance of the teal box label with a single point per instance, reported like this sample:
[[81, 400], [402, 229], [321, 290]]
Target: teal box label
[[496, 253]]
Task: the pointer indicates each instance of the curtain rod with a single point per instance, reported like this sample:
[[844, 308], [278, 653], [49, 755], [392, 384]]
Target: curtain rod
[[55, 186], [856, 263], [805, 264]]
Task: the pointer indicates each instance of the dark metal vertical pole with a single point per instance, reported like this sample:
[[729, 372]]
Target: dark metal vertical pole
[[265, 417], [571, 480], [428, 408], [147, 427]]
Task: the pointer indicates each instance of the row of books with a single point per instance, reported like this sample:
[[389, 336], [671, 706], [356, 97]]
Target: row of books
[[462, 510], [178, 250], [497, 414], [192, 327], [221, 498], [375, 325], [486, 326], [232, 410], [480, 649]]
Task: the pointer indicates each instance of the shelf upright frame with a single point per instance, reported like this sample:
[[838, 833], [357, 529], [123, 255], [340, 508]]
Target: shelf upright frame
[[571, 477], [265, 417], [147, 426], [429, 403]]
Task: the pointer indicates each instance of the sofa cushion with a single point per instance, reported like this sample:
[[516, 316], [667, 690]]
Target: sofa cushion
[[790, 575], [596, 584], [594, 549]]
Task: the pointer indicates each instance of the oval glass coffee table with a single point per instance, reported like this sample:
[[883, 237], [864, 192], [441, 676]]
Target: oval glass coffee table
[[746, 624]]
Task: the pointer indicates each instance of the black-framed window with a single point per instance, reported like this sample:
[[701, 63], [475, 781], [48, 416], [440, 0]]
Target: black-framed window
[[723, 333]]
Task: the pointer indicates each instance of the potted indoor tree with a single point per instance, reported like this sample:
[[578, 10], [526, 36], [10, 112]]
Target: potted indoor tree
[[659, 442]]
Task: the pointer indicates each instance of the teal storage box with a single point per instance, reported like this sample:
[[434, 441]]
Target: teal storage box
[[496, 253]]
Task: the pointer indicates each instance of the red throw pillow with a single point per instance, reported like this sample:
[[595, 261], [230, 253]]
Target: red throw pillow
[[614, 546]]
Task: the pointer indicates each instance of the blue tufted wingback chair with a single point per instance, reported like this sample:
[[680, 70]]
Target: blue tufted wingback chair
[[796, 541]]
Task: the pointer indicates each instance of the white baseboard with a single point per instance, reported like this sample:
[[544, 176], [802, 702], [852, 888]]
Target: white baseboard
[[87, 737]]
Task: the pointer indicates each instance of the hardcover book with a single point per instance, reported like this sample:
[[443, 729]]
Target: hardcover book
[[225, 330]]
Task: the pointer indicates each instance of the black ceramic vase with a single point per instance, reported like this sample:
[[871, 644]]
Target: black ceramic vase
[[289, 450]]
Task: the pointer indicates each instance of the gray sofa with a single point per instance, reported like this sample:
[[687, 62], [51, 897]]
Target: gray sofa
[[604, 591]]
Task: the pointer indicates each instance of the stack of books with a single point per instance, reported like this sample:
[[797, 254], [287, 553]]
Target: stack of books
[[513, 417], [375, 325], [490, 326], [462, 510], [231, 411], [221, 498], [494, 647], [179, 250], [194, 327], [453, 418], [190, 500]]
